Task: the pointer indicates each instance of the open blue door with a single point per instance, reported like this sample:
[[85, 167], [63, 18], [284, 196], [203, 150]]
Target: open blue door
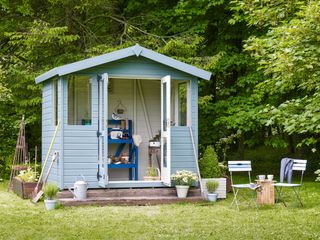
[[103, 131], [166, 130]]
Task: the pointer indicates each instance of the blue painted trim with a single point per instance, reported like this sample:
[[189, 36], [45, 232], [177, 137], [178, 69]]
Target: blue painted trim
[[112, 166], [120, 54], [61, 117]]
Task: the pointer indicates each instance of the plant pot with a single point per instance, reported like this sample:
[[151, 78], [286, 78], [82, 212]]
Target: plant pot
[[50, 204], [212, 197], [182, 191]]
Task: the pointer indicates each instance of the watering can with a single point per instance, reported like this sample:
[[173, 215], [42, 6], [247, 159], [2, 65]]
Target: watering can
[[80, 188]]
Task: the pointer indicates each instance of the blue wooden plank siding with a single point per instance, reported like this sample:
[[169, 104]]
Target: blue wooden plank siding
[[182, 156], [48, 127]]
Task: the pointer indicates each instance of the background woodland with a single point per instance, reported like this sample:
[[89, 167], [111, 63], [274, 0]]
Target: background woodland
[[262, 103]]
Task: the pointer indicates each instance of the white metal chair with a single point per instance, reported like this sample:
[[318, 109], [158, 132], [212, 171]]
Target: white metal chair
[[298, 165], [241, 166]]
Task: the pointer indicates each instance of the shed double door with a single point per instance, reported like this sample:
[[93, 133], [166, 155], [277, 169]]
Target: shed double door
[[165, 130]]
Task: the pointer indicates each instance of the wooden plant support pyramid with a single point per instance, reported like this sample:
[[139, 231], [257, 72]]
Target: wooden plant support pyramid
[[20, 158]]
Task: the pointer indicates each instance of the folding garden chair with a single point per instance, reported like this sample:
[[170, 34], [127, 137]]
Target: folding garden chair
[[242, 166], [298, 165]]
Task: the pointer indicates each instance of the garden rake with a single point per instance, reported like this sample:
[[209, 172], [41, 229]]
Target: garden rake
[[40, 193], [35, 191]]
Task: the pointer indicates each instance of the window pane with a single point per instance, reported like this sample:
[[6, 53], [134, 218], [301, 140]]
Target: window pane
[[164, 103], [182, 88], [79, 100]]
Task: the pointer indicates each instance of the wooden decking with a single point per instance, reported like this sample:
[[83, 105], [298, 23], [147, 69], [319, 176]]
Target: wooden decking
[[151, 196]]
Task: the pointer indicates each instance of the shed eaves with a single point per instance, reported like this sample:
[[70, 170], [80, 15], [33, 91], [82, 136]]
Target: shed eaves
[[120, 54]]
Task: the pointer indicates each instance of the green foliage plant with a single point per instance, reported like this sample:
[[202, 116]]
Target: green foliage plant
[[50, 191], [28, 175], [152, 172], [209, 165], [212, 186]]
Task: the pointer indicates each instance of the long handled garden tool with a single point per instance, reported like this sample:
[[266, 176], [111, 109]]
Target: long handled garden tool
[[40, 193], [35, 191]]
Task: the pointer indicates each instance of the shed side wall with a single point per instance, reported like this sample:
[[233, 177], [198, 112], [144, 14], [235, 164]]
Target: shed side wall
[[48, 128]]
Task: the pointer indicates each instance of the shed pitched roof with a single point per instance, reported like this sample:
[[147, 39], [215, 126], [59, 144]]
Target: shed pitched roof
[[120, 54]]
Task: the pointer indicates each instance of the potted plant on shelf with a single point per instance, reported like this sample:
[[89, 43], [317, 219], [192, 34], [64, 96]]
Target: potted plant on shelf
[[153, 174], [50, 193], [211, 171], [183, 180], [212, 186]]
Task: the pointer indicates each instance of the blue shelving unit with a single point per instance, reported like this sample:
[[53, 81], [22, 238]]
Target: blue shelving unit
[[132, 164]]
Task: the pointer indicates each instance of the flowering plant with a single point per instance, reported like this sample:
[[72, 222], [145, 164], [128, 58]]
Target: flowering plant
[[28, 175], [318, 172], [184, 177]]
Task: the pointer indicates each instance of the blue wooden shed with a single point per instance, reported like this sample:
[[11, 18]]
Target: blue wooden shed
[[110, 107]]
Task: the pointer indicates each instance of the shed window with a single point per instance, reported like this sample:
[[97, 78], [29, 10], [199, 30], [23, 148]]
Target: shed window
[[79, 100], [182, 103]]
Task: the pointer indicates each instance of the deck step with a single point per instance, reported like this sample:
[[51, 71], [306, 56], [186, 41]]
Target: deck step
[[128, 201], [134, 192]]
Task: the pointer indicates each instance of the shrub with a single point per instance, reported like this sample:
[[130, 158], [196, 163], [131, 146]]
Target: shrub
[[186, 178], [50, 191], [209, 165], [212, 186]]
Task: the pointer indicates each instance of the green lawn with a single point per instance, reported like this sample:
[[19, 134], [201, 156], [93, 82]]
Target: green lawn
[[20, 219]]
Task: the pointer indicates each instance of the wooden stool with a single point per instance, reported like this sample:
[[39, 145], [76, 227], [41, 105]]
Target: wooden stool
[[266, 193]]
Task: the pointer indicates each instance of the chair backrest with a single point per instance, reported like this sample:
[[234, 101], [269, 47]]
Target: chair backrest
[[299, 165], [239, 166]]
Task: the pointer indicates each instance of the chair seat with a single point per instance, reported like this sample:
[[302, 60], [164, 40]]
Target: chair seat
[[287, 185], [245, 185]]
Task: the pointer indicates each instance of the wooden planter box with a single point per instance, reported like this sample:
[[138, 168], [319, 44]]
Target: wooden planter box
[[23, 189], [221, 190]]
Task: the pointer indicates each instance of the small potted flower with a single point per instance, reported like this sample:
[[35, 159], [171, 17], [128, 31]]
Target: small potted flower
[[183, 180], [212, 186], [153, 174], [50, 193]]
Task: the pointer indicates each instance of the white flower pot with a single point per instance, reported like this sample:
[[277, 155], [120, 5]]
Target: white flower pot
[[50, 204], [212, 197], [182, 191]]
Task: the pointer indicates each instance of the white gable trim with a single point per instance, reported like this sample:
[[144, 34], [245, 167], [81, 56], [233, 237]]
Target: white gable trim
[[120, 54]]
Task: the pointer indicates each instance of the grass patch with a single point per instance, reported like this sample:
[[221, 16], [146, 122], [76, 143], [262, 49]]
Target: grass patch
[[20, 219]]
